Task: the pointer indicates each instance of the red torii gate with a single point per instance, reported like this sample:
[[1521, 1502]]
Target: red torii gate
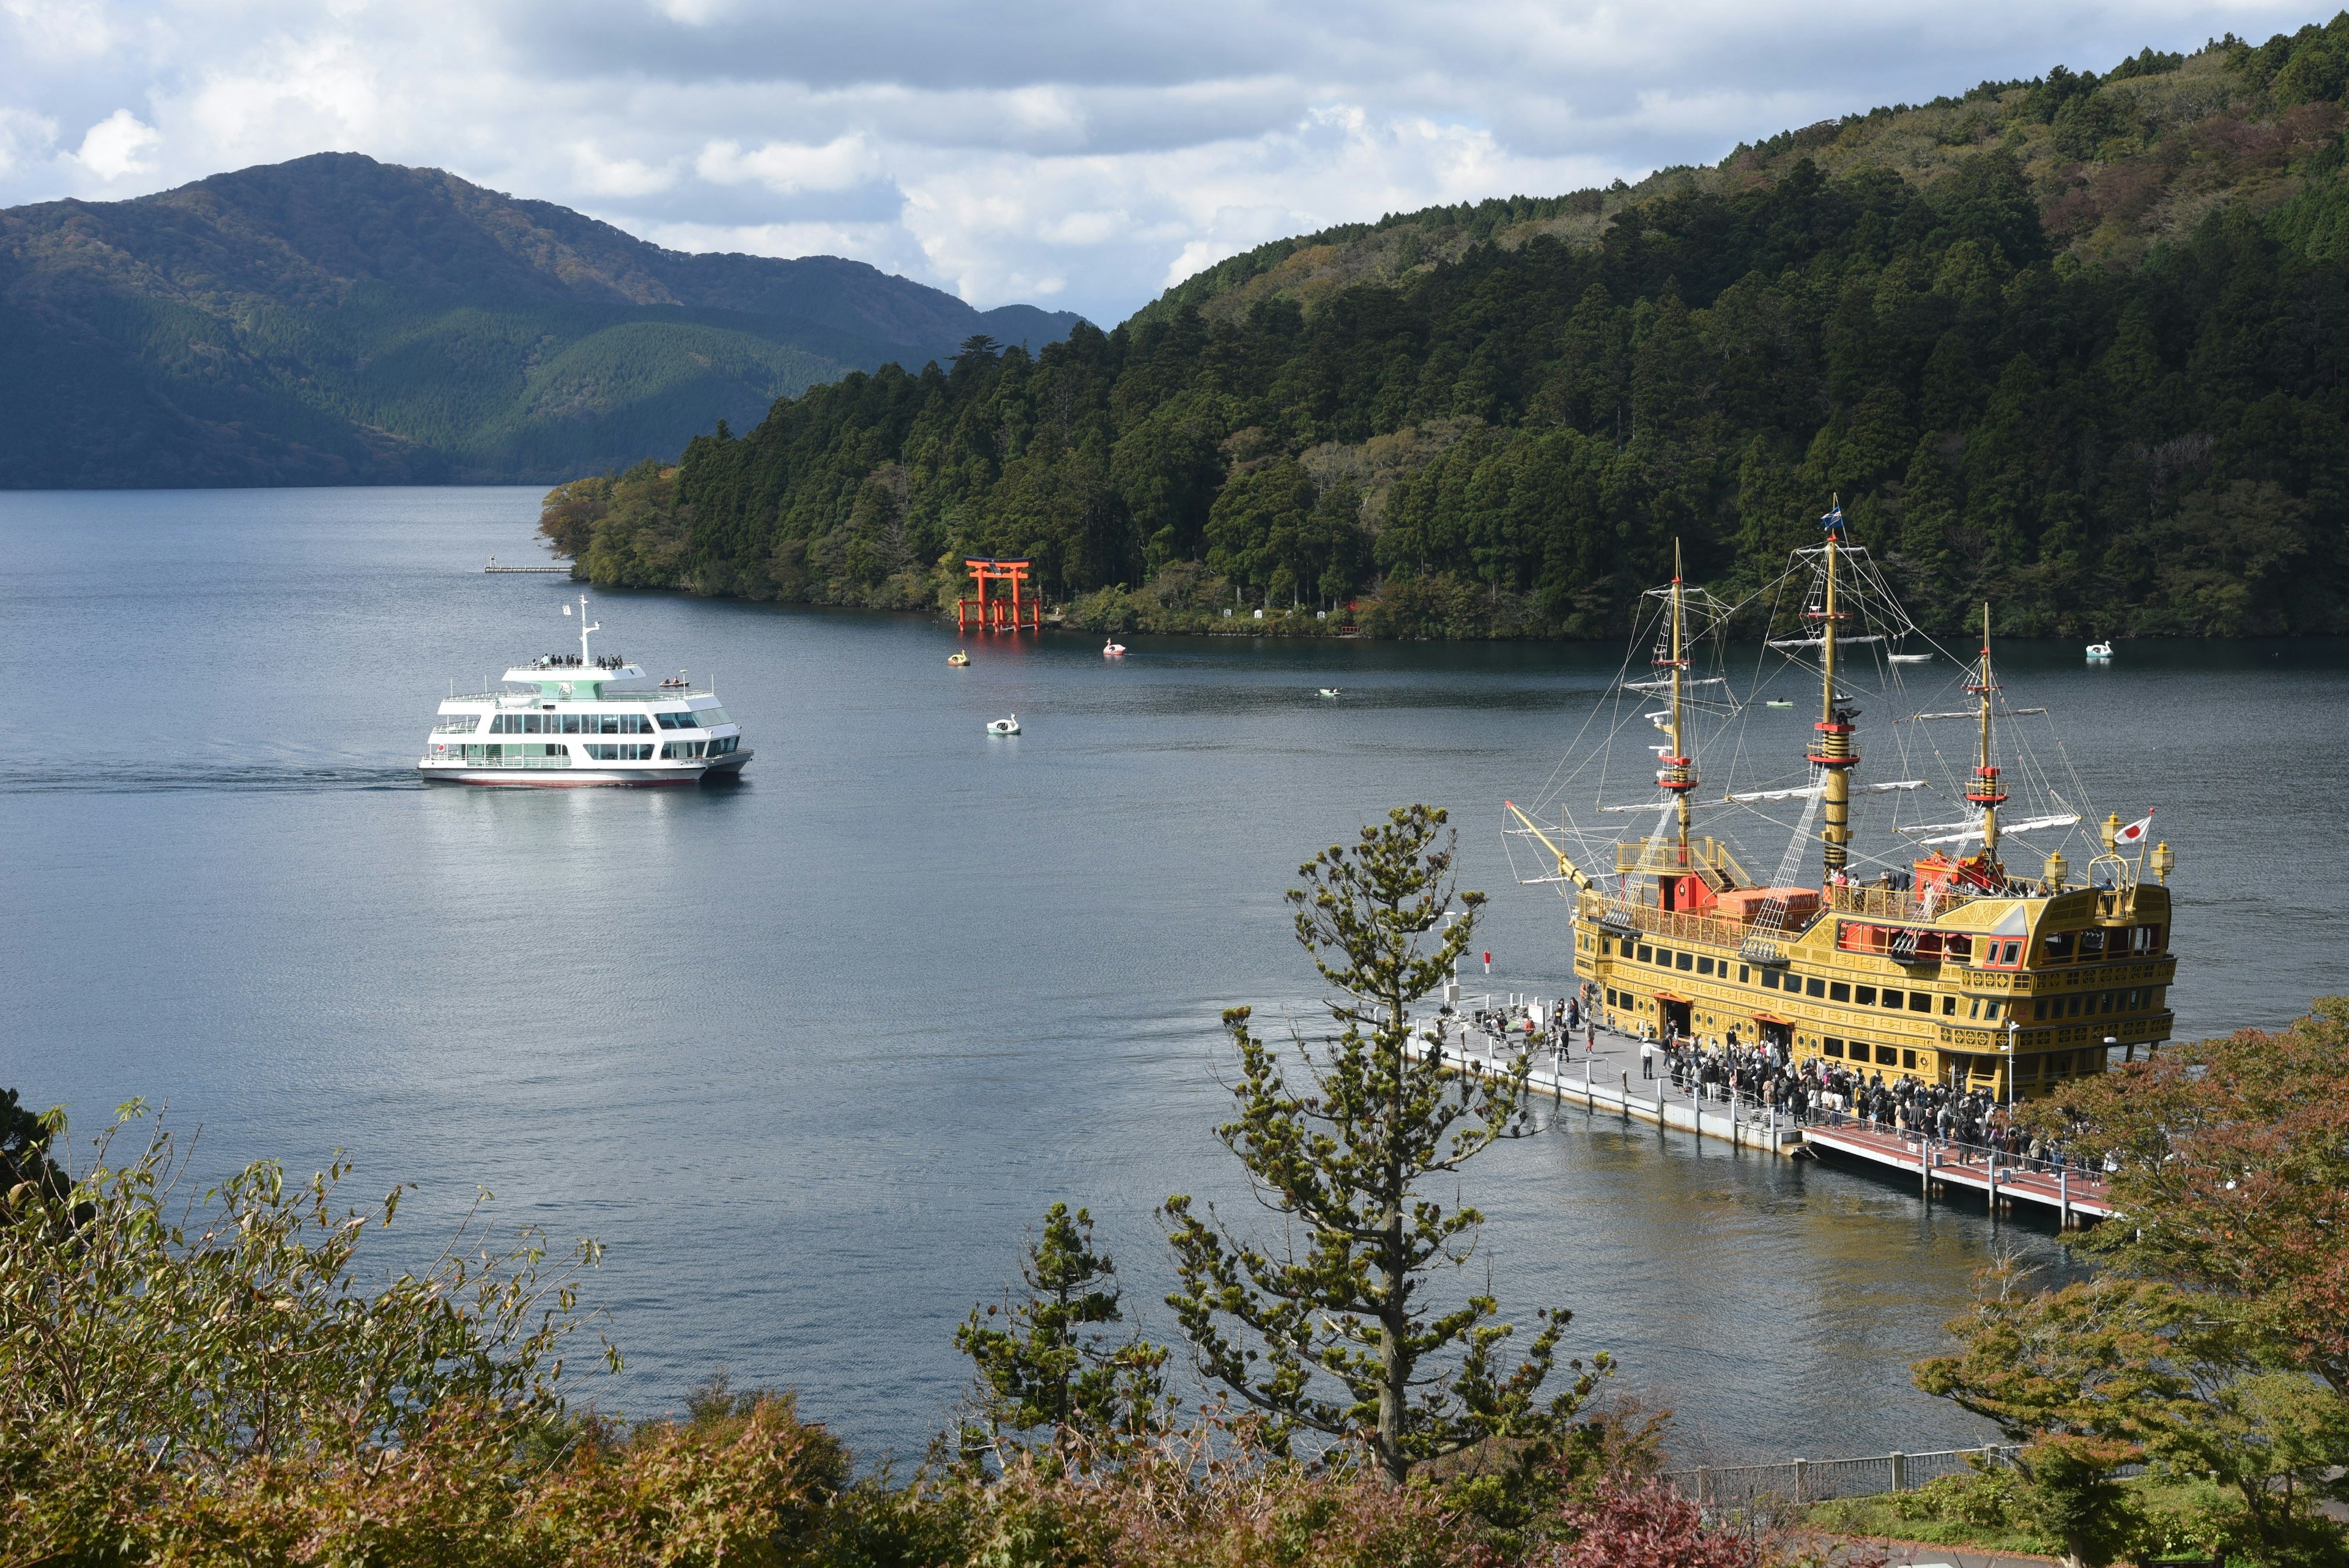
[[998, 615]]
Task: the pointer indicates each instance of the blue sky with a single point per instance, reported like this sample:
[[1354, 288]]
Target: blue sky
[[1081, 156]]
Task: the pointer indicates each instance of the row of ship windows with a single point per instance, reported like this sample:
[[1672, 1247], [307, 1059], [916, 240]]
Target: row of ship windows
[[2057, 1064], [2042, 1008], [579, 723], [599, 751]]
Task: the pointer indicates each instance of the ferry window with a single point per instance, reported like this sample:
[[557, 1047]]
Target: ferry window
[[620, 753], [671, 720], [1833, 1048], [1769, 979], [1814, 987], [1948, 1007], [1743, 973], [1991, 1009], [1865, 995], [1891, 997], [1909, 1059], [1838, 992], [1887, 1055], [2038, 1010], [2091, 942], [1704, 965], [2072, 1006], [2059, 945], [1683, 960], [457, 724], [1975, 1011], [676, 748], [2145, 939], [1646, 955], [2059, 1065], [2011, 954], [1920, 1002]]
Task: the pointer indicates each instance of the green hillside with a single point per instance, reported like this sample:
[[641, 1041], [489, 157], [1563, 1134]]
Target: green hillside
[[2073, 345], [337, 320]]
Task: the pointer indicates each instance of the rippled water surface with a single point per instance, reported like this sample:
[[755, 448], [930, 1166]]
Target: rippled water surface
[[810, 1054]]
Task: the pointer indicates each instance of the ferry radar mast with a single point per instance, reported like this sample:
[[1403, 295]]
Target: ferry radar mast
[[1986, 792], [1833, 756], [584, 629]]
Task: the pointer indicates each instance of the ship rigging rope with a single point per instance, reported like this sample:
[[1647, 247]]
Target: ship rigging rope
[[1715, 713]]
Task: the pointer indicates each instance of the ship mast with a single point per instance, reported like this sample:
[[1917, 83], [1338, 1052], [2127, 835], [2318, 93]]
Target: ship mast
[[1678, 775], [1833, 756], [1986, 791]]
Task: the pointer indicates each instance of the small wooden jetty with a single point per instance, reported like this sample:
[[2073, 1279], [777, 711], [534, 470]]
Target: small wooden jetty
[[1608, 1074], [494, 567], [2076, 1195]]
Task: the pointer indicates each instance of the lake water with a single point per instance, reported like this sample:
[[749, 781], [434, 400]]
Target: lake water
[[810, 1054]]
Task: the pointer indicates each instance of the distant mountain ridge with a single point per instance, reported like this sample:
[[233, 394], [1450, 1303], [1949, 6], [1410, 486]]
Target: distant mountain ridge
[[337, 320]]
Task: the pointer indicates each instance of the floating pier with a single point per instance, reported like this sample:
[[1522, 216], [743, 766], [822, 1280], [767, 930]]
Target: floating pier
[[2076, 1195], [1607, 1076]]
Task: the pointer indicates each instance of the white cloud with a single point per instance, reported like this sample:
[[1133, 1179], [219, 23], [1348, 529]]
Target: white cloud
[[1085, 151], [24, 137], [788, 168], [119, 145]]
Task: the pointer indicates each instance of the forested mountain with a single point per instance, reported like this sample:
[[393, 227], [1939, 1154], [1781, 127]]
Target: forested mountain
[[337, 320], [2073, 344]]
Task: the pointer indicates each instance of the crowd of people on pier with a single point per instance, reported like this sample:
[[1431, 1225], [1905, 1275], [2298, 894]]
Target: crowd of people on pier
[[1829, 1092], [1764, 1076]]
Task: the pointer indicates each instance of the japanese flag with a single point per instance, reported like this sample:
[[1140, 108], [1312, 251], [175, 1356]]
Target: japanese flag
[[2136, 831]]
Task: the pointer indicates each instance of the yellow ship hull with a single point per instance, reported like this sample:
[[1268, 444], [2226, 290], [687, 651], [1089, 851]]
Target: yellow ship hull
[[2011, 993]]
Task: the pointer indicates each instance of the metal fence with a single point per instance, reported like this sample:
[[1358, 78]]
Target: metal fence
[[1767, 1494], [1762, 1494]]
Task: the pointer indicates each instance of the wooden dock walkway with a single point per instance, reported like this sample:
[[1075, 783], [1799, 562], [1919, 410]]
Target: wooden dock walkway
[[2075, 1194], [1605, 1075], [1607, 1081]]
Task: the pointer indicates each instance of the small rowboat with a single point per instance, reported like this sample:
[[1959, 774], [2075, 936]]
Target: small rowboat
[[1004, 725]]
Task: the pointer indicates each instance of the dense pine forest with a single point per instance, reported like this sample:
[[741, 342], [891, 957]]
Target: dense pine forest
[[2074, 346]]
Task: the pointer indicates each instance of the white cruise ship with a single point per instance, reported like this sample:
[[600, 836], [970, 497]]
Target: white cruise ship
[[556, 722]]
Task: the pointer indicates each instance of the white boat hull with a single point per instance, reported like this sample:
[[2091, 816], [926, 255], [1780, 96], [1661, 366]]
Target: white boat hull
[[693, 770]]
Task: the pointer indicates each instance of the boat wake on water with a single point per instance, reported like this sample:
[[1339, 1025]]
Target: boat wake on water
[[228, 777]]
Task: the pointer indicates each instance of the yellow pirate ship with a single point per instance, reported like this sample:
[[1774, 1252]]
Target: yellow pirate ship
[[1947, 966]]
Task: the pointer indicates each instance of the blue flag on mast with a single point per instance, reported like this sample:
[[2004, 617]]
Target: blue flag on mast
[[1832, 524]]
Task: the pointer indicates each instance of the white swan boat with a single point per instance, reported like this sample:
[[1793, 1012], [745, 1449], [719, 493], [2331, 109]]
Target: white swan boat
[[563, 720], [1112, 649], [2100, 650], [1004, 725]]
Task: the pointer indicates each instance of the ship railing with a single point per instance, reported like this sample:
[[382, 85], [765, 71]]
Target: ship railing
[[1897, 904], [514, 697], [1710, 930], [471, 762], [1668, 924]]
